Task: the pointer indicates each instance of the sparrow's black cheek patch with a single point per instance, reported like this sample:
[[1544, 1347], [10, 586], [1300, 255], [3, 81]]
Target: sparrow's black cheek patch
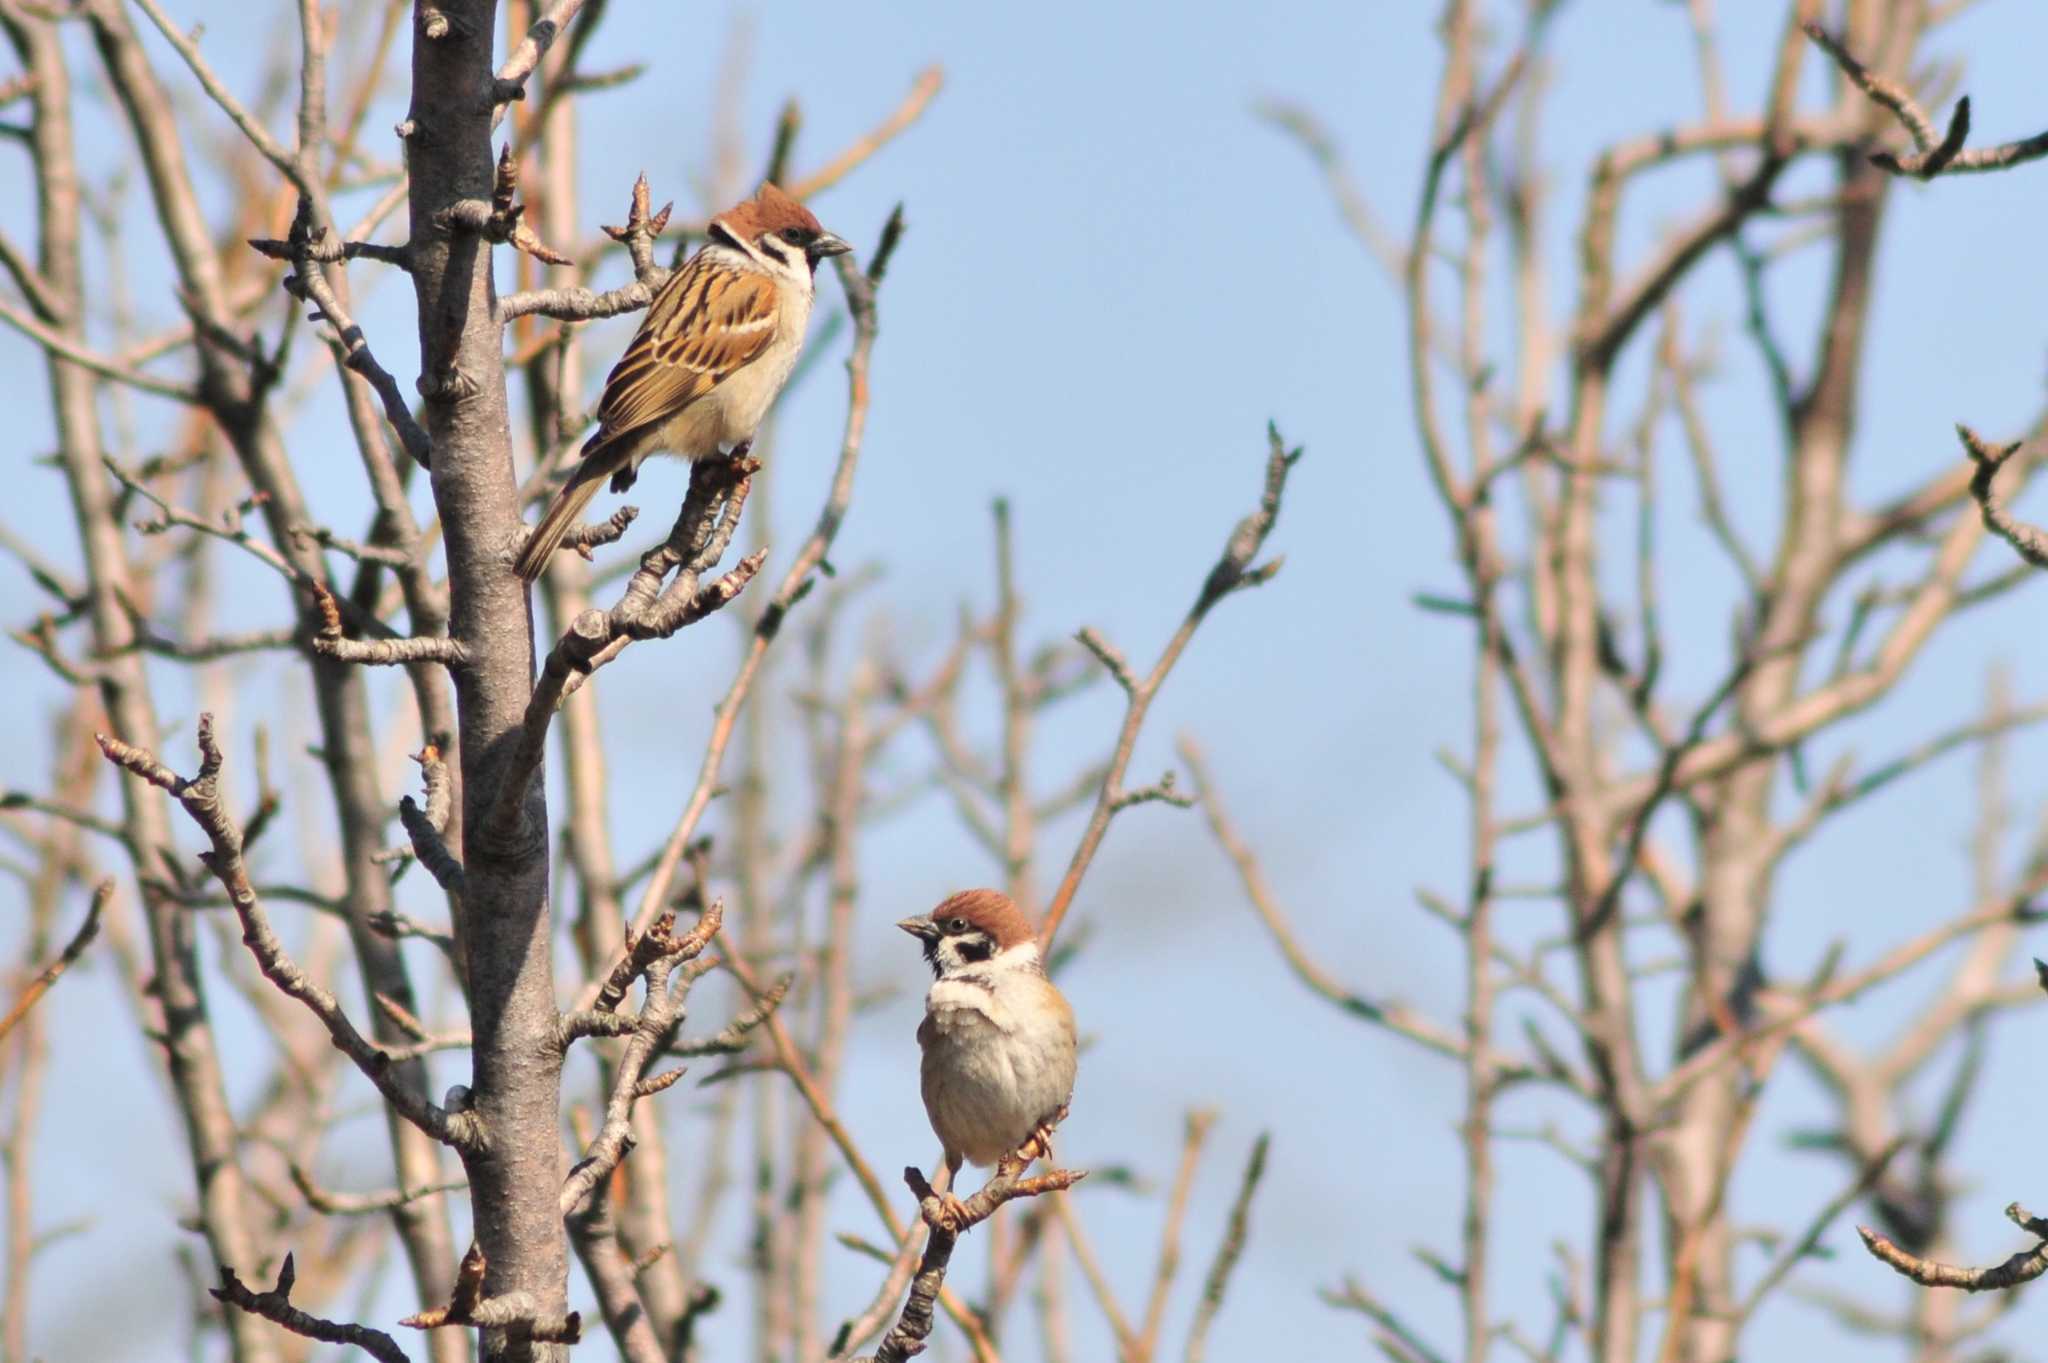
[[977, 949]]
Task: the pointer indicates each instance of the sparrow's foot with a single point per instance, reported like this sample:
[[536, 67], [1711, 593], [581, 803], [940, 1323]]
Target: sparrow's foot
[[624, 477], [952, 1215], [1038, 1146]]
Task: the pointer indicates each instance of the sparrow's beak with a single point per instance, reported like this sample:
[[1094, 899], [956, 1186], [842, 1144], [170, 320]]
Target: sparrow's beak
[[826, 245], [921, 927]]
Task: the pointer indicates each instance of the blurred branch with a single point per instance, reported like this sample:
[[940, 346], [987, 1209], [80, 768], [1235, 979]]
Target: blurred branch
[[1228, 1252], [1396, 1017], [1933, 156], [921, 93], [2030, 541], [2022, 1267], [47, 976]]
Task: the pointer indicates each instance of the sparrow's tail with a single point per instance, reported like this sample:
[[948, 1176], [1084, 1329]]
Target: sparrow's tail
[[562, 515]]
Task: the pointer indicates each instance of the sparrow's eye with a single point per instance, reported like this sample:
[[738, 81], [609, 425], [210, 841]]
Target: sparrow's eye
[[956, 925], [794, 235]]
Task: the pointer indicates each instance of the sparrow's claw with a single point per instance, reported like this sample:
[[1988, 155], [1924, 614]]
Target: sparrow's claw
[[951, 1215], [1037, 1146]]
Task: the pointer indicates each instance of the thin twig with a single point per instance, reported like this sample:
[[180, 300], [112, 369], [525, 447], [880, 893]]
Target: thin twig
[[1232, 572], [73, 949], [1227, 1253]]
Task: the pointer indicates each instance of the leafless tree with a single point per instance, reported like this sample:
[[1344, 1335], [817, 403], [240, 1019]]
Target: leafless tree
[[274, 238], [1652, 818], [1635, 787]]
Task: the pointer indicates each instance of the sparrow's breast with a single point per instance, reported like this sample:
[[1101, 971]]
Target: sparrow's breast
[[997, 1062]]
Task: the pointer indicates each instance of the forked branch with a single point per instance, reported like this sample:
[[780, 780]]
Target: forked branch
[[201, 798]]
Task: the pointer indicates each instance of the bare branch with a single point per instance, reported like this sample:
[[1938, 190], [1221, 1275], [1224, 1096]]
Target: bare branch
[[1227, 1253], [73, 949], [330, 642], [1396, 1017], [1233, 572], [515, 1312], [2022, 1267], [662, 953], [308, 283], [1933, 157], [276, 1305], [2030, 541], [907, 1339], [330, 1203], [921, 92], [703, 528], [105, 366], [201, 798], [523, 59]]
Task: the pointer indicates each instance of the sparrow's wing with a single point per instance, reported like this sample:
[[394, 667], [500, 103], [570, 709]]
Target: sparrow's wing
[[708, 322]]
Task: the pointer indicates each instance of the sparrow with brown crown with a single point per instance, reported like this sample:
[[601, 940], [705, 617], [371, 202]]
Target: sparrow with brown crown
[[997, 1036], [717, 344]]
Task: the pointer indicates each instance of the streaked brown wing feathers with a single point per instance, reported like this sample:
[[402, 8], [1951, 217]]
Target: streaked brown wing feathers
[[706, 322]]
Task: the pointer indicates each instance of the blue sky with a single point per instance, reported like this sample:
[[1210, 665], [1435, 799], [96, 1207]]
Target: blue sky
[[1115, 276]]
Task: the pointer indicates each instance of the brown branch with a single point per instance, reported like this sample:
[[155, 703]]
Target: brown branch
[[1396, 1017], [57, 343], [330, 642], [73, 949], [2022, 1267], [584, 538], [522, 60], [1233, 572], [2030, 541], [260, 137], [308, 283], [201, 798], [330, 1203], [327, 250], [662, 953], [1808, 1243], [1943, 156], [579, 304], [646, 610], [921, 92], [514, 1312], [732, 1038], [276, 1305], [428, 846], [1398, 1339], [907, 1339], [1193, 1133], [611, 1278]]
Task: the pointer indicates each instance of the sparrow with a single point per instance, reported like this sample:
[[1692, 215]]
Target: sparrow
[[716, 346], [997, 1036]]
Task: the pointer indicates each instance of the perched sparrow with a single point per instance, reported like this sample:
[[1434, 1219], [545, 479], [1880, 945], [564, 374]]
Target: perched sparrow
[[998, 1038], [714, 349]]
